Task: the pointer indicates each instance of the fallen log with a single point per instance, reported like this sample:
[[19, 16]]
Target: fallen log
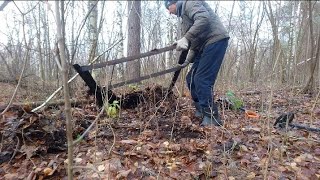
[[30, 105]]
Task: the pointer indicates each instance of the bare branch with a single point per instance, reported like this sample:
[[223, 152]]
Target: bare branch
[[4, 4]]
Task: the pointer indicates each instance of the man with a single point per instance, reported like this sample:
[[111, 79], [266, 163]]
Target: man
[[207, 41]]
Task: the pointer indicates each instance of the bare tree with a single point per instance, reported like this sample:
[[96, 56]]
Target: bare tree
[[310, 83], [61, 41], [92, 31], [4, 4], [120, 48], [276, 47], [26, 57], [133, 47]]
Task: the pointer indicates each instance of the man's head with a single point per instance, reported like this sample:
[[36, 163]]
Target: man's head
[[171, 6]]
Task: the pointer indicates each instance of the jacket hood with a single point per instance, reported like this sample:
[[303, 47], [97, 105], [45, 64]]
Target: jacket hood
[[179, 7]]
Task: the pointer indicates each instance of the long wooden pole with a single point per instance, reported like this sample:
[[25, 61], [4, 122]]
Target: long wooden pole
[[127, 59]]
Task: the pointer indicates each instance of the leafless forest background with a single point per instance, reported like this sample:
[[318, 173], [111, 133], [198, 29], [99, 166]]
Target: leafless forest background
[[273, 43], [273, 57]]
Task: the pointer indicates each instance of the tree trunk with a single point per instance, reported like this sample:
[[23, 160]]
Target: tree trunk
[[277, 48], [120, 67], [93, 31], [310, 83], [67, 110], [253, 46], [133, 47], [42, 74]]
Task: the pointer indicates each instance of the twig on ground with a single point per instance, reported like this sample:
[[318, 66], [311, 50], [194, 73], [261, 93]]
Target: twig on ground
[[174, 120], [114, 139], [87, 167], [156, 110], [89, 128], [15, 151], [304, 139], [53, 103]]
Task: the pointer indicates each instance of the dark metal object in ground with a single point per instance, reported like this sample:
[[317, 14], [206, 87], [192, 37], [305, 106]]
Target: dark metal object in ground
[[94, 89], [181, 60], [287, 118], [100, 92]]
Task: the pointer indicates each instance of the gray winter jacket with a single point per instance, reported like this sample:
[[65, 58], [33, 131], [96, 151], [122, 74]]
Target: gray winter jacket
[[200, 25]]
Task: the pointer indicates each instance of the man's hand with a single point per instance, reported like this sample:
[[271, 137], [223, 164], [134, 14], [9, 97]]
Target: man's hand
[[182, 44]]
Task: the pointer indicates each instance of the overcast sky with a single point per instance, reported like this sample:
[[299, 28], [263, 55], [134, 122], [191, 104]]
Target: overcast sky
[[7, 15]]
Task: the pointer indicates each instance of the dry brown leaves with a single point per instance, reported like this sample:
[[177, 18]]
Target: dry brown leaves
[[144, 143]]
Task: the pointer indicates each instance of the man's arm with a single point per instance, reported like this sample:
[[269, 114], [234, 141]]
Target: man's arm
[[199, 14]]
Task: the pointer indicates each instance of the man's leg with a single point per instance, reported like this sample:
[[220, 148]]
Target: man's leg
[[191, 85], [205, 77]]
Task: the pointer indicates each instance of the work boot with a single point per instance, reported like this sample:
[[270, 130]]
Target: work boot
[[198, 113], [211, 117]]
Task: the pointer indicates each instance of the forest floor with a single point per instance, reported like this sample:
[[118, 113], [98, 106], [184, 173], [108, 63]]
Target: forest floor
[[161, 139]]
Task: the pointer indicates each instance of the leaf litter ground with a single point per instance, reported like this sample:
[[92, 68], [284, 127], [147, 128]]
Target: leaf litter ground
[[161, 139]]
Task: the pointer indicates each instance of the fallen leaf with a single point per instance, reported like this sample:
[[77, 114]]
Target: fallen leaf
[[77, 160], [31, 176], [308, 171], [317, 151], [113, 165], [13, 176], [98, 154], [308, 156], [294, 167], [234, 125], [47, 171], [129, 141], [276, 153], [256, 129], [251, 175], [244, 162], [282, 168], [95, 175], [299, 159], [150, 178], [256, 158], [186, 120], [92, 134], [123, 174], [175, 147], [101, 167], [243, 148], [249, 128], [147, 133], [166, 143], [302, 177], [29, 150]]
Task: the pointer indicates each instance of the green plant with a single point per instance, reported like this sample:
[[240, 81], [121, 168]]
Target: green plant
[[79, 138], [133, 86], [236, 102], [113, 109]]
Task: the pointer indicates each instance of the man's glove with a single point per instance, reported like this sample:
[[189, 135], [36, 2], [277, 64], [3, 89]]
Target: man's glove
[[182, 44], [189, 59]]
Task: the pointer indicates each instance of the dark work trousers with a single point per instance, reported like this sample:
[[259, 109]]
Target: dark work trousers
[[204, 71]]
